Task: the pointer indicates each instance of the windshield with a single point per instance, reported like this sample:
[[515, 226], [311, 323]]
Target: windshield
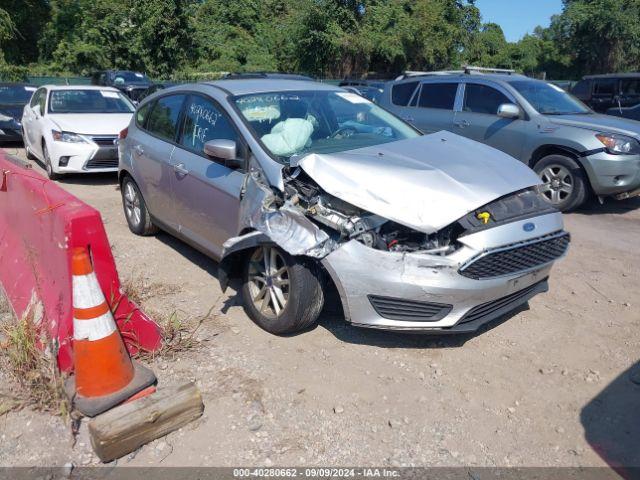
[[129, 77], [549, 99], [297, 123], [89, 101], [15, 94]]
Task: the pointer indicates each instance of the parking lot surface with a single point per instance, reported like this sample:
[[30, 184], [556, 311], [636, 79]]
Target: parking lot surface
[[546, 386]]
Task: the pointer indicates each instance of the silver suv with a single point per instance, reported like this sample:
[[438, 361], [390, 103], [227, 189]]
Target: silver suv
[[293, 185], [575, 151]]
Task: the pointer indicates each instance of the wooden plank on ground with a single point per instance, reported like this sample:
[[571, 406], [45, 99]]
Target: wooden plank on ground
[[125, 428]]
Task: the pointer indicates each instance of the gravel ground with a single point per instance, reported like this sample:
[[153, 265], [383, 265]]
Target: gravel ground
[[551, 385]]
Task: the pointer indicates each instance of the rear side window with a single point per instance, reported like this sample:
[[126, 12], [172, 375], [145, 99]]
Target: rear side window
[[438, 95], [483, 99], [401, 93], [163, 119], [605, 87]]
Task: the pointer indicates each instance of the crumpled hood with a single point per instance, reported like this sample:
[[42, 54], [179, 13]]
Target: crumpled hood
[[424, 183], [599, 123], [92, 123]]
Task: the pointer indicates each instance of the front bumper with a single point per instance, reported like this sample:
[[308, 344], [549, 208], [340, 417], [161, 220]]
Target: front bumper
[[83, 157], [613, 174], [363, 276]]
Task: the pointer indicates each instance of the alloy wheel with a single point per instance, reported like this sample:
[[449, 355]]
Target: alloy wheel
[[268, 281], [132, 204], [47, 161], [558, 183]]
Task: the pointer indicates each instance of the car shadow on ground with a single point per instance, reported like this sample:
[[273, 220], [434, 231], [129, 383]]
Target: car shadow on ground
[[187, 251], [332, 319], [610, 206], [611, 423], [110, 178]]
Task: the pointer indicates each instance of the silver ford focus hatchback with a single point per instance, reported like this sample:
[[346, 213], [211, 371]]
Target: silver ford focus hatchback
[[293, 186]]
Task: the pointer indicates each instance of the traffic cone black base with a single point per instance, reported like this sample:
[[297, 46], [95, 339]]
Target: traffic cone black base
[[90, 407]]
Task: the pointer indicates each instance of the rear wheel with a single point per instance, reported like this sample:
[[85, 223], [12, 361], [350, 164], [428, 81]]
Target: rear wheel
[[565, 185], [281, 294], [135, 210], [47, 163]]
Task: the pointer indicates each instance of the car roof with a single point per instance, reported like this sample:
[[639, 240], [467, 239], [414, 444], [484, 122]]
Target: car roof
[[265, 85], [496, 77], [612, 75], [79, 87]]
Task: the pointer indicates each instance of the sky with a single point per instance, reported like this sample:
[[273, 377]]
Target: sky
[[518, 17]]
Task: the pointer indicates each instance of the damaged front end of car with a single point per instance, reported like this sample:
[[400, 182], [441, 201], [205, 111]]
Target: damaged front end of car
[[426, 252]]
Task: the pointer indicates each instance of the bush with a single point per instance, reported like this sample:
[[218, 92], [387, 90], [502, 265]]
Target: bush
[[13, 73]]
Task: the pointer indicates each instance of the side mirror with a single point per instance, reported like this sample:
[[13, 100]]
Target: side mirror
[[224, 150], [509, 110]]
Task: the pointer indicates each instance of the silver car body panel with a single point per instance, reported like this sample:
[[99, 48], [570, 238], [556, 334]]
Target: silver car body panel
[[424, 183], [533, 135], [428, 278], [286, 226]]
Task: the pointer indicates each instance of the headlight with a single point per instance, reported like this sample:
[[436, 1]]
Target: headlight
[[5, 118], [67, 137], [619, 144]]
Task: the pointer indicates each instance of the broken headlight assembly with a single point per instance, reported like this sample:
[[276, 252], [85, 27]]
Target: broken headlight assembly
[[347, 222]]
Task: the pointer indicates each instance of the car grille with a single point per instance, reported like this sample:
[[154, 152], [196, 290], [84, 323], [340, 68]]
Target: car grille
[[489, 308], [518, 257], [408, 310], [107, 154], [105, 140]]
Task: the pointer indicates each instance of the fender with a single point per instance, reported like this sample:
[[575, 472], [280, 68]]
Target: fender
[[233, 251]]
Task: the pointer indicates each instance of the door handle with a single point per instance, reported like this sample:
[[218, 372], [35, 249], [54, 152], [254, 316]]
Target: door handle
[[180, 169], [138, 149], [408, 119], [462, 123]]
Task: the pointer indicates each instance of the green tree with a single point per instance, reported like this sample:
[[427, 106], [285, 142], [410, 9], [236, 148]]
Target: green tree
[[602, 35]]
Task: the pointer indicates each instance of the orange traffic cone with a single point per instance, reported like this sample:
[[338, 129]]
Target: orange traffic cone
[[105, 375]]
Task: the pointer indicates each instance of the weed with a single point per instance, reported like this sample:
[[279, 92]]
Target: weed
[[178, 332], [30, 367], [139, 289]]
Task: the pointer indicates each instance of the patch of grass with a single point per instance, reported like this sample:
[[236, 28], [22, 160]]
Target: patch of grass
[[178, 332], [139, 289], [35, 380]]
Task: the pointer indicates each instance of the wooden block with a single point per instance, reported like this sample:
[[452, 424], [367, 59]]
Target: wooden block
[[125, 428]]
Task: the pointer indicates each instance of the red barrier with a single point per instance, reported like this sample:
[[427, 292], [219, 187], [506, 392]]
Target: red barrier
[[39, 225]]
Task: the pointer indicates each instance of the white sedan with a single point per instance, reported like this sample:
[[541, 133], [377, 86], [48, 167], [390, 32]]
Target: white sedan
[[74, 129]]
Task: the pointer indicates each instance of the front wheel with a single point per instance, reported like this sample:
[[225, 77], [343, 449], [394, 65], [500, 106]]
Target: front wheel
[[281, 294], [47, 163], [565, 185], [27, 151]]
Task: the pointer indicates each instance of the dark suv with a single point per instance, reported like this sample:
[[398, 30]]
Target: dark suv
[[602, 92], [132, 84]]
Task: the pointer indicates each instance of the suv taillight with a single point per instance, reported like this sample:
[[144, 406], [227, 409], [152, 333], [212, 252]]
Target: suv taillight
[[123, 134]]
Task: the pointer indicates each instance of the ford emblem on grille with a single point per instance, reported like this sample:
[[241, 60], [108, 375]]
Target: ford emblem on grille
[[529, 227]]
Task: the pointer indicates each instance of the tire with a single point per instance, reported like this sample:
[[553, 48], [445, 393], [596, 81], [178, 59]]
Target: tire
[[565, 184], [135, 209], [300, 287], [47, 164], [30, 156]]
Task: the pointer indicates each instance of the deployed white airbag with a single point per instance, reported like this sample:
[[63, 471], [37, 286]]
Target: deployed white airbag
[[289, 136]]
